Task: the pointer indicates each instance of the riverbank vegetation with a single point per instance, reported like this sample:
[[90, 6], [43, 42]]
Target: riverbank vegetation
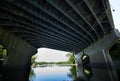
[[3, 52], [71, 61]]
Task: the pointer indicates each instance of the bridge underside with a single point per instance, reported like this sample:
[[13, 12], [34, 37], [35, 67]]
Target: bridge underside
[[67, 25]]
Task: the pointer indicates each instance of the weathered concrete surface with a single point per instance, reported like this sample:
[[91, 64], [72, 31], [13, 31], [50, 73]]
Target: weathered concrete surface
[[16, 66], [101, 63]]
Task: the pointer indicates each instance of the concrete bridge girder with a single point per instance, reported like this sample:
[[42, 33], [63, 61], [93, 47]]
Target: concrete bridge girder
[[100, 58], [18, 60]]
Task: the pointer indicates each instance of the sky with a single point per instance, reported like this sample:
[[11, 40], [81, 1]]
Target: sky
[[50, 55], [115, 4]]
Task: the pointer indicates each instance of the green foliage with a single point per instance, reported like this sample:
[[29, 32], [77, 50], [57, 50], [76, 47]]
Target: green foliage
[[73, 70], [63, 62], [33, 59], [3, 52], [71, 56], [41, 63], [31, 75], [72, 59]]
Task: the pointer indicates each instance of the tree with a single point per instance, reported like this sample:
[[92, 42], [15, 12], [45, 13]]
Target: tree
[[72, 59], [33, 59], [3, 52]]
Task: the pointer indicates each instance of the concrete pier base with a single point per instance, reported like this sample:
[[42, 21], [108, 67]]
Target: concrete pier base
[[103, 68], [16, 66]]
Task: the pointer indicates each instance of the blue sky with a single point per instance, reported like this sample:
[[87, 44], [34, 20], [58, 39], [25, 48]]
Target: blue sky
[[50, 55]]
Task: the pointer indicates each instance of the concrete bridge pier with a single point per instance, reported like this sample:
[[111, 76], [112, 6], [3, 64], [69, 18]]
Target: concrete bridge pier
[[16, 66], [102, 66]]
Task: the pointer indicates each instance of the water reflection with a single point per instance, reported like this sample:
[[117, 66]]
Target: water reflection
[[32, 75], [69, 73], [54, 73], [73, 71], [62, 73]]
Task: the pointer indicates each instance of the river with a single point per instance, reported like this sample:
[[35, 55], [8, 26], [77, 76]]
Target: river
[[70, 73], [53, 73]]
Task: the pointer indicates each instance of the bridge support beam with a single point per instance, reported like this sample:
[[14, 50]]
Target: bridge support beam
[[101, 63], [16, 66]]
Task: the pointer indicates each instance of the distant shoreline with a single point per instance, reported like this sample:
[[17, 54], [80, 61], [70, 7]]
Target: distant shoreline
[[51, 65]]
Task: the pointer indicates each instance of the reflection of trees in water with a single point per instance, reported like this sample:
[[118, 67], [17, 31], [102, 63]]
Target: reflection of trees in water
[[32, 75], [73, 72]]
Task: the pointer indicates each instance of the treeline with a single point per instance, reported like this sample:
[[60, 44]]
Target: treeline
[[71, 60], [40, 63]]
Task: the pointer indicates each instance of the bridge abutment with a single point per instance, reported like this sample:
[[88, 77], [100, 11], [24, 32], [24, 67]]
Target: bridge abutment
[[100, 60], [16, 66]]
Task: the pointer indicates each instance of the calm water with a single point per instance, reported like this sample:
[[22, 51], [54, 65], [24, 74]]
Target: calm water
[[52, 73], [71, 73]]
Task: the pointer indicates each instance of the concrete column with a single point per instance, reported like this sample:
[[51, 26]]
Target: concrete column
[[101, 63], [16, 67]]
